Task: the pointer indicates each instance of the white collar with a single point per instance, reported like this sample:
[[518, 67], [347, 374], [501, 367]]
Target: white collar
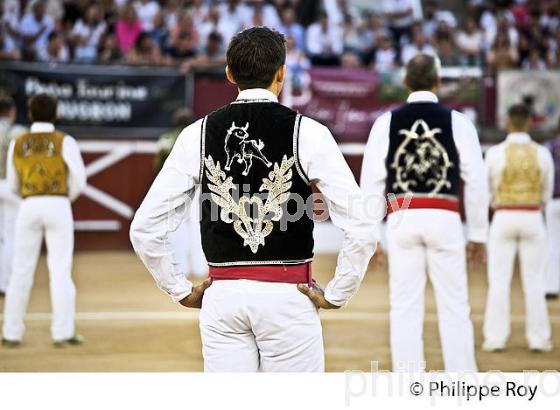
[[257, 94], [422, 96], [518, 137], [42, 127]]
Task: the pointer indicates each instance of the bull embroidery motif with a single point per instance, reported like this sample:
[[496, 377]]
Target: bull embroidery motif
[[238, 145]]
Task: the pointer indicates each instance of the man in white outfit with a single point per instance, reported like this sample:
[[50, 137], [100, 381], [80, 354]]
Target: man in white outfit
[[521, 177], [553, 227], [419, 153], [46, 169], [9, 202], [253, 161]]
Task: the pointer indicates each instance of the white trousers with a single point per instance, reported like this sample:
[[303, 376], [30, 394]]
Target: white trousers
[[421, 243], [187, 245], [510, 232], [552, 269], [249, 326], [49, 217], [9, 204]]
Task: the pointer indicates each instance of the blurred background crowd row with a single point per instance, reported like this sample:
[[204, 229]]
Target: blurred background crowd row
[[496, 35]]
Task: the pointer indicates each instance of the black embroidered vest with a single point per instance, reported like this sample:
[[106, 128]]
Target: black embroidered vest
[[422, 158], [254, 192]]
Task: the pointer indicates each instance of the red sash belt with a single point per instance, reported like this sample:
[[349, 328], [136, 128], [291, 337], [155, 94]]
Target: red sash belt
[[518, 208], [265, 273], [424, 203]]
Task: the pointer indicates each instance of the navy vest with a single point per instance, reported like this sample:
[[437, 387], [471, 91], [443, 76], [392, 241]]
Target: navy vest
[[250, 176], [422, 157]]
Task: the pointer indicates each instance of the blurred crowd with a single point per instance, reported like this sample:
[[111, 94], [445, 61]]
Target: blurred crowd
[[495, 34]]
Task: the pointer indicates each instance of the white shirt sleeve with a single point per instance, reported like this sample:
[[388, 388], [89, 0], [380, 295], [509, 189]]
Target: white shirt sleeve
[[374, 171], [491, 164], [324, 165], [547, 175], [473, 174], [76, 168], [162, 211], [11, 174]]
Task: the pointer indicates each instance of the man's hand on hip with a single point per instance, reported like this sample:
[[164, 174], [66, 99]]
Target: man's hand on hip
[[476, 254], [317, 296], [194, 300]]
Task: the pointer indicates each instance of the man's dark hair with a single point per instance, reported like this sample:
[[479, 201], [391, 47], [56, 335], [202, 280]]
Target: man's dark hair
[[518, 115], [42, 107], [422, 73], [6, 105], [254, 56]]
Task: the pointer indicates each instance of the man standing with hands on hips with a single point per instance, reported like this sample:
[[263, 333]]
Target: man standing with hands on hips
[[420, 152], [254, 161]]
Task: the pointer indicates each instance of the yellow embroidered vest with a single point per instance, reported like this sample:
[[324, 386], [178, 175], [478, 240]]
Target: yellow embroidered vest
[[521, 182], [38, 161]]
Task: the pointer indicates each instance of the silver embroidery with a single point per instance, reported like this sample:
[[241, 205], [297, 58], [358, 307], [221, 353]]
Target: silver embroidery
[[426, 161], [238, 145], [253, 229]]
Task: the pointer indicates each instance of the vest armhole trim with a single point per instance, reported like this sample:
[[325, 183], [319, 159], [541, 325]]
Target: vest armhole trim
[[299, 168], [202, 149]]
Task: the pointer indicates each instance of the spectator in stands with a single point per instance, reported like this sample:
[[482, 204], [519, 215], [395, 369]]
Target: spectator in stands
[[503, 54], [170, 13], [470, 41], [183, 40], [234, 15], [400, 14], [198, 11], [371, 33], [350, 59], [446, 50], [128, 28], [297, 64], [291, 28], [56, 50], [145, 51], [109, 51], [342, 9], [110, 12], [8, 49], [351, 35], [429, 24], [324, 42], [210, 25], [212, 56], [418, 45], [385, 56], [146, 10], [534, 61], [9, 28], [86, 35], [34, 30], [160, 33], [262, 14]]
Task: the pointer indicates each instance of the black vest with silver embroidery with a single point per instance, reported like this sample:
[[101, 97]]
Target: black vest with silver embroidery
[[253, 187], [422, 157]]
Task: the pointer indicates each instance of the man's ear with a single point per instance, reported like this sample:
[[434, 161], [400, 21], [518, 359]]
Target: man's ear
[[281, 74], [405, 82], [230, 77]]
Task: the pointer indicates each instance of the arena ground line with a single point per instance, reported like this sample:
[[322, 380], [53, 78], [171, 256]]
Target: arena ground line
[[193, 316]]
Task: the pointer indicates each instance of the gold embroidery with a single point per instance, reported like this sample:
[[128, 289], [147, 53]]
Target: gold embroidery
[[427, 161], [255, 229], [39, 163], [521, 177]]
